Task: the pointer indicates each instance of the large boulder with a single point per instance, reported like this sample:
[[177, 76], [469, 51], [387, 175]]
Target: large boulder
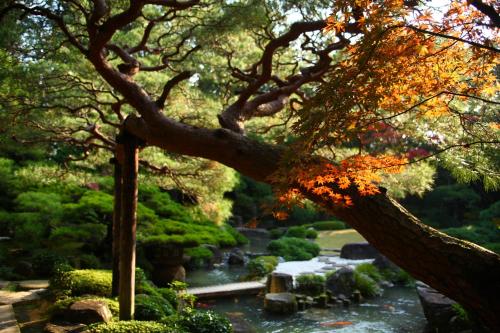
[[163, 275], [86, 312], [341, 284], [280, 303], [279, 283], [438, 310], [358, 251], [236, 257]]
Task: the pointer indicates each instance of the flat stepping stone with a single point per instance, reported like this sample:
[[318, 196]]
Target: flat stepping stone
[[230, 289], [15, 297], [33, 284], [8, 322]]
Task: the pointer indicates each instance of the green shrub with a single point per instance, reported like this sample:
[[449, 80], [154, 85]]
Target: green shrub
[[143, 285], [261, 266], [366, 285], [311, 234], [276, 233], [398, 276], [370, 270], [131, 327], [310, 284], [199, 255], [66, 302], [297, 231], [197, 321], [240, 239], [89, 261], [293, 248], [148, 307], [170, 295], [81, 282], [328, 225], [45, 262]]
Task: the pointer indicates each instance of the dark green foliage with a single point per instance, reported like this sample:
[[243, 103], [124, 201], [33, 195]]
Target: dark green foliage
[[293, 248], [298, 232], [366, 285], [277, 233], [311, 234], [185, 234], [88, 261], [398, 276], [45, 262], [483, 233], [240, 239], [81, 282], [250, 197], [200, 256], [327, 225], [261, 266], [149, 307], [163, 205], [197, 321], [131, 327], [310, 284], [370, 270], [170, 295]]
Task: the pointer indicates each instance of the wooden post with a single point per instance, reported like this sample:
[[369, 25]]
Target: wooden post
[[128, 227], [117, 211]]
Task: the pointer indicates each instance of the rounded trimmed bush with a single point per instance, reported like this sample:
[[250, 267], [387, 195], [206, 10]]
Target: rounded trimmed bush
[[198, 321], [310, 284], [131, 327], [292, 248], [81, 282], [148, 307], [261, 266]]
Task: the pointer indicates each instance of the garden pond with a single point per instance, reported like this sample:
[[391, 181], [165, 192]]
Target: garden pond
[[398, 310]]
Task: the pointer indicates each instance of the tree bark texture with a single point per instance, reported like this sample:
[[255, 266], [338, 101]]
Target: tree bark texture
[[117, 203], [463, 271], [128, 226]]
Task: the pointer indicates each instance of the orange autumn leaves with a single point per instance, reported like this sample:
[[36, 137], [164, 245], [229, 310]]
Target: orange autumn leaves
[[333, 182], [401, 64]]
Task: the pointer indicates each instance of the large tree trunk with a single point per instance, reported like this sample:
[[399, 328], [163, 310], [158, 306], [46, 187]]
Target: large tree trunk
[[461, 270], [117, 209], [128, 226]]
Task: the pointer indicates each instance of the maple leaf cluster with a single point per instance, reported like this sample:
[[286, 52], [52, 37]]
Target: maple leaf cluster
[[334, 182], [407, 62]]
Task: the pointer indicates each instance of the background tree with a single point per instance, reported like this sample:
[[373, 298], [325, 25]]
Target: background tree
[[395, 68]]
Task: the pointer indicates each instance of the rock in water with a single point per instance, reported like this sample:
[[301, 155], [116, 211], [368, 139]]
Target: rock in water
[[236, 257], [438, 310], [341, 283], [358, 251], [280, 303]]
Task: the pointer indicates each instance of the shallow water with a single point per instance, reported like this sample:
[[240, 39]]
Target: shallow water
[[397, 311]]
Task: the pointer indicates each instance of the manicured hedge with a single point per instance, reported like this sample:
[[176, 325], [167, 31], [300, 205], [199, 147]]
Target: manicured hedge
[[291, 248]]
